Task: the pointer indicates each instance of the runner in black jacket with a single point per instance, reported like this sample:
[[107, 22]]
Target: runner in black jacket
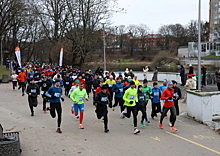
[[102, 99], [33, 92], [45, 85]]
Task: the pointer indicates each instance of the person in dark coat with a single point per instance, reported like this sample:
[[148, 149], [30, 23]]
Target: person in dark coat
[[203, 75], [154, 78], [182, 75], [190, 69], [33, 92]]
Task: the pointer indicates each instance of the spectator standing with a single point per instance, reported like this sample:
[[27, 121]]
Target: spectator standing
[[145, 70], [203, 75], [154, 78], [182, 75], [217, 78]]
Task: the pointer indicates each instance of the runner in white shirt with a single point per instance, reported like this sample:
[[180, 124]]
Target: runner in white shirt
[[14, 80]]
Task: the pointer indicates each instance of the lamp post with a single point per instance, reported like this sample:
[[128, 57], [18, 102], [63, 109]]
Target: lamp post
[[104, 45], [1, 52], [199, 47]]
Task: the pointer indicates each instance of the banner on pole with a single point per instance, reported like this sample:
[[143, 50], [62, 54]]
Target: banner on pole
[[18, 55], [61, 57]]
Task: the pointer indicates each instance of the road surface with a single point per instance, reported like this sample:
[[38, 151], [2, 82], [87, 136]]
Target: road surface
[[38, 136]]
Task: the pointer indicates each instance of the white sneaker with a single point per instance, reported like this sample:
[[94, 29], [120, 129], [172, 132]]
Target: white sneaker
[[170, 124], [77, 117], [136, 131], [122, 115], [102, 119]]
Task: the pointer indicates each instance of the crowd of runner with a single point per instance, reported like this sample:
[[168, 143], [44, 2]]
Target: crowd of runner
[[107, 89]]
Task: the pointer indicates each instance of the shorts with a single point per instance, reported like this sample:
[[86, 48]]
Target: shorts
[[79, 107]]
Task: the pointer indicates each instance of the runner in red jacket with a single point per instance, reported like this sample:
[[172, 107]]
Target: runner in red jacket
[[168, 95]]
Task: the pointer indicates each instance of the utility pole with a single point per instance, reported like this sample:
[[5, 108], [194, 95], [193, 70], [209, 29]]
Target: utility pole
[[104, 46], [1, 52], [199, 47]]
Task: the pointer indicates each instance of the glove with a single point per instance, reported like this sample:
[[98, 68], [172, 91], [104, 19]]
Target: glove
[[53, 97], [170, 98], [131, 102], [62, 98]]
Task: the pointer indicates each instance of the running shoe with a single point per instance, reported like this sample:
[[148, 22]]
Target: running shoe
[[173, 128], [142, 124], [102, 119], [170, 124], [161, 126], [136, 131], [113, 108], [122, 115], [81, 127], [147, 121], [106, 130], [58, 130], [77, 117]]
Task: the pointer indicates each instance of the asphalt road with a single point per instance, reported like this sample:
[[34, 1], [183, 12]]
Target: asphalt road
[[38, 136]]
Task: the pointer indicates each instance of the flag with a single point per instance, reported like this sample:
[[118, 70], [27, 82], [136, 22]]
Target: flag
[[18, 55], [61, 57]]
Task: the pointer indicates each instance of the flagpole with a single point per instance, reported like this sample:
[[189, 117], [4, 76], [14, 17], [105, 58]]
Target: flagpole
[[199, 47]]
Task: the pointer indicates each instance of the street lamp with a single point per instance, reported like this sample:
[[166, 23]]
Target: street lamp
[[1, 51], [199, 47], [104, 45]]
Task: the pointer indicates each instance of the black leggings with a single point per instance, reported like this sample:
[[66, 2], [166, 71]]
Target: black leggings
[[156, 108], [218, 85], [58, 108], [23, 86], [172, 115], [103, 112], [144, 114], [176, 104], [132, 109], [120, 101]]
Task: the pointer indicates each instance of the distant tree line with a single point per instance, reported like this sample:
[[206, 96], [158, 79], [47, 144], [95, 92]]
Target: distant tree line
[[41, 27]]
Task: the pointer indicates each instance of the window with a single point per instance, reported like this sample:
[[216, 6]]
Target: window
[[215, 10], [216, 16], [218, 9], [216, 4], [215, 22]]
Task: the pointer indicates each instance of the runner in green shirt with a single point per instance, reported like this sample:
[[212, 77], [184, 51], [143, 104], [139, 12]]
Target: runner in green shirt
[[78, 96]]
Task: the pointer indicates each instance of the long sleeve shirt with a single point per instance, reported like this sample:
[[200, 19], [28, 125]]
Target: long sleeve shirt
[[79, 95], [130, 95], [167, 93], [54, 93]]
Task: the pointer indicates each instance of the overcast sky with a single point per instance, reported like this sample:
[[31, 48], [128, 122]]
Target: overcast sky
[[155, 13]]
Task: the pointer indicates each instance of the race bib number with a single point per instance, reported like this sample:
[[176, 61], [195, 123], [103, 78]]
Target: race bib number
[[81, 98], [146, 95], [170, 100], [14, 80], [156, 94], [67, 83], [57, 94], [175, 94], [132, 97], [110, 85], [33, 91], [42, 92], [94, 90], [141, 98], [121, 90], [104, 99], [31, 76], [37, 75], [19, 71]]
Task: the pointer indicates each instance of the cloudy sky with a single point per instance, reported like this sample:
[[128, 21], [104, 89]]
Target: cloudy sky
[[155, 13]]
